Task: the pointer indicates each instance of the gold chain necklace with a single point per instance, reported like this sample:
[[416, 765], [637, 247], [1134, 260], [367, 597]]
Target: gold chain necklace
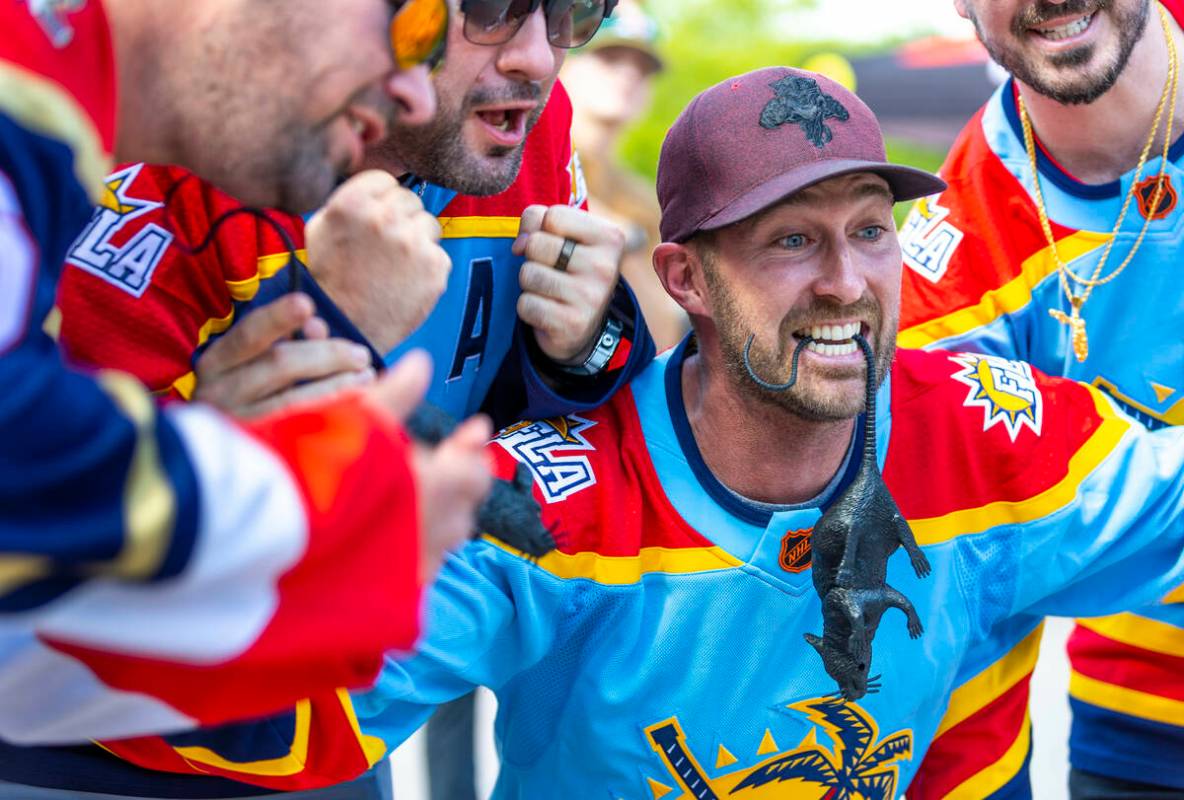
[[1167, 100]]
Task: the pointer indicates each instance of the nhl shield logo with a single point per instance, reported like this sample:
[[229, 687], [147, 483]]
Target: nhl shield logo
[[1145, 193], [796, 554]]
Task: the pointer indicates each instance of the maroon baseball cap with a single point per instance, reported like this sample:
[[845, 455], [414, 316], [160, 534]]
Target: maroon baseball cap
[[748, 142]]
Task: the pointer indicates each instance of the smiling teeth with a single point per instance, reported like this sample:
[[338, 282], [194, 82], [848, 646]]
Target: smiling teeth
[[834, 333], [358, 126], [1065, 31], [833, 340], [831, 349]]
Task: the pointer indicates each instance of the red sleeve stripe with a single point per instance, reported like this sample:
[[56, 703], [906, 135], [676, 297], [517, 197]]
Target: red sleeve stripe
[[1139, 632], [985, 736], [1104, 671]]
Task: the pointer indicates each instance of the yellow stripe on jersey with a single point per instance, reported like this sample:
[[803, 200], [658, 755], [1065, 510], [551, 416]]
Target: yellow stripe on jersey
[[1011, 296], [149, 501], [1100, 444], [990, 684], [373, 746], [282, 766], [17, 571], [242, 291], [1123, 700], [621, 570], [993, 778], [266, 267], [1141, 632], [41, 105], [479, 227]]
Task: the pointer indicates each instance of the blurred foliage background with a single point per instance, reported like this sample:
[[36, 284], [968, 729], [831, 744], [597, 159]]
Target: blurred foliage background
[[706, 41]]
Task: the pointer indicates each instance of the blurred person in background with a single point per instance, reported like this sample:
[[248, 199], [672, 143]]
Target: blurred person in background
[[1057, 242], [611, 82], [513, 325], [168, 567]]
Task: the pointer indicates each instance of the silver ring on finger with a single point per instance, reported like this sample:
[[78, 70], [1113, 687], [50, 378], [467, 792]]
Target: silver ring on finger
[[569, 247]]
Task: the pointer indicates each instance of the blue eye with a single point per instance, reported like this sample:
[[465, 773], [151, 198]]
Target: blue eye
[[870, 233], [794, 240]]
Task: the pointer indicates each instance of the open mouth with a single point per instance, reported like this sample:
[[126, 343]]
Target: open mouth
[[505, 124], [1066, 30], [832, 340]]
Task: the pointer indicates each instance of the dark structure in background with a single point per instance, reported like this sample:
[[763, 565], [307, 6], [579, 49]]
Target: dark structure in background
[[925, 90]]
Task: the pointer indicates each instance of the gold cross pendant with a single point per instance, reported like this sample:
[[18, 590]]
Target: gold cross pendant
[[1076, 325]]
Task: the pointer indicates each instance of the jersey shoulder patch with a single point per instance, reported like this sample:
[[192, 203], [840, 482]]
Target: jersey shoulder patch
[[973, 432], [596, 484], [124, 260]]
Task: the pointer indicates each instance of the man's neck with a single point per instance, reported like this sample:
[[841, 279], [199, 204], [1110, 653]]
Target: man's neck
[[757, 450], [144, 128], [1099, 142]]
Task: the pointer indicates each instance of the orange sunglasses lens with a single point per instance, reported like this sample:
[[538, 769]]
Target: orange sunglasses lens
[[418, 33]]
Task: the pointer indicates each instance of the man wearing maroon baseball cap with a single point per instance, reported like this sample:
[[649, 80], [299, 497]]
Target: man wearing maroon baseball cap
[[670, 644], [776, 199]]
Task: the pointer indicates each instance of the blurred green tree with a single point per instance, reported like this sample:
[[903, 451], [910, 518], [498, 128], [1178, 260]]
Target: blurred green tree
[[707, 41]]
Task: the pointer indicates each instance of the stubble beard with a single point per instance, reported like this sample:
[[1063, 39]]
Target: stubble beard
[[1054, 76], [814, 397], [438, 153]]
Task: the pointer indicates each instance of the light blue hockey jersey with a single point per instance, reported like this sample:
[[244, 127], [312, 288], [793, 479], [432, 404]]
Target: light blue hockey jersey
[[659, 652]]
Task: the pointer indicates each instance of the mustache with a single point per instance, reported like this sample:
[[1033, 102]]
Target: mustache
[[513, 92], [1042, 11], [865, 308]]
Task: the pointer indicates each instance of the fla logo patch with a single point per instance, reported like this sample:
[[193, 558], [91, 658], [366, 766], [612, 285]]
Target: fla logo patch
[[928, 240], [551, 449], [796, 554], [1005, 390], [130, 265], [858, 765]]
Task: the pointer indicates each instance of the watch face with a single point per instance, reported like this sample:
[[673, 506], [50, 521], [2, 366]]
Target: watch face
[[602, 353]]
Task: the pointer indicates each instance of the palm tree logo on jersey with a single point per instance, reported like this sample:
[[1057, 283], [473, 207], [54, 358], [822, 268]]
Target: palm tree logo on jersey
[[859, 766]]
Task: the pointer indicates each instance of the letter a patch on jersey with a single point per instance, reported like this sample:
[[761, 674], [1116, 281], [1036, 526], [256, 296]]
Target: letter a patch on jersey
[[1005, 390], [551, 449], [130, 264], [927, 240]]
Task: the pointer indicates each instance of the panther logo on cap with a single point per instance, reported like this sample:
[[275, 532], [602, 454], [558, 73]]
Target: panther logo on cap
[[801, 101]]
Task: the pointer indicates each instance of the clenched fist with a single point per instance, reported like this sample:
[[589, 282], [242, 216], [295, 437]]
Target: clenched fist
[[566, 308], [375, 251]]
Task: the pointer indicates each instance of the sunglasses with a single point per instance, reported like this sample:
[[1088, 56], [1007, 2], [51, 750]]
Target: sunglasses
[[419, 31], [570, 23]]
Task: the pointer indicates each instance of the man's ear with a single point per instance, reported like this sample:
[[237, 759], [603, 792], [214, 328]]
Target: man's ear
[[680, 270], [960, 7]]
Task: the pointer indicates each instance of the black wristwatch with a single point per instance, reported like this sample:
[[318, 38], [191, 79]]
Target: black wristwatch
[[606, 345]]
